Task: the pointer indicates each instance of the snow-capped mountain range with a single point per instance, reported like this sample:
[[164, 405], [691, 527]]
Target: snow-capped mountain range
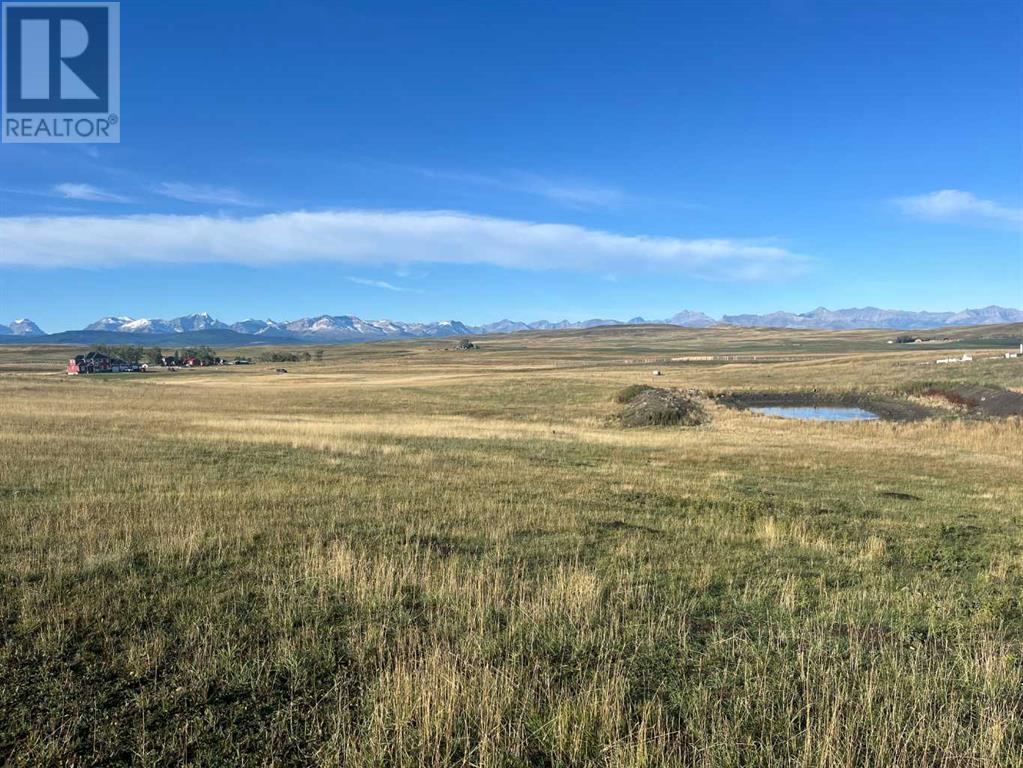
[[323, 327], [872, 317], [350, 328], [197, 322]]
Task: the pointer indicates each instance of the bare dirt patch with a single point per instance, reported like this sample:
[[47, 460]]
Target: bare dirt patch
[[621, 525], [900, 495]]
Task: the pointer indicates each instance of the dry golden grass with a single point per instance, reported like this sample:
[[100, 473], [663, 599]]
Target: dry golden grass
[[406, 556]]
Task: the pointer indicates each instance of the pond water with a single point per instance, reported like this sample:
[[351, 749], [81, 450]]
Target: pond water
[[822, 413]]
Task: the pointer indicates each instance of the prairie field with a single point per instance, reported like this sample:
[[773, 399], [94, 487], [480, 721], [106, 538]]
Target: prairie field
[[408, 555]]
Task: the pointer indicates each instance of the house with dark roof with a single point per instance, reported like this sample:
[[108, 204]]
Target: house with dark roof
[[99, 362]]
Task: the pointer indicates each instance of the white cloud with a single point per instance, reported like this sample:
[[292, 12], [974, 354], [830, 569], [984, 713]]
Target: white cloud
[[88, 192], [375, 283], [956, 205], [201, 193], [372, 237]]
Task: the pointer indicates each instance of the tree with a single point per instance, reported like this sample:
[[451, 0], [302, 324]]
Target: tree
[[280, 357], [203, 355], [129, 353]]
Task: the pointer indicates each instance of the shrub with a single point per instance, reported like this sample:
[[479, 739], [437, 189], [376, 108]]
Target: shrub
[[630, 392], [285, 357]]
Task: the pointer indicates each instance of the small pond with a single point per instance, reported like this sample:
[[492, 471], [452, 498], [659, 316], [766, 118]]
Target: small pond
[[822, 413]]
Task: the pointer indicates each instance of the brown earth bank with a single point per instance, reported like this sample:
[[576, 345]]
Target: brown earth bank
[[977, 400]]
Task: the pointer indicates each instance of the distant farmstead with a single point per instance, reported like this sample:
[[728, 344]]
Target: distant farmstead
[[99, 362]]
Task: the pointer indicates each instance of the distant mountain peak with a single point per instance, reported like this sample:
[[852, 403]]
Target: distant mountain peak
[[22, 327], [691, 319]]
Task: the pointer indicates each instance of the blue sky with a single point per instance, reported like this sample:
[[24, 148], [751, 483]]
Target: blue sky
[[533, 160]]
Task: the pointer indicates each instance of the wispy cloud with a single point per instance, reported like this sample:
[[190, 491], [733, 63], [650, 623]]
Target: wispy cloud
[[375, 283], [88, 192], [956, 205], [570, 193], [377, 237], [576, 194], [201, 193]]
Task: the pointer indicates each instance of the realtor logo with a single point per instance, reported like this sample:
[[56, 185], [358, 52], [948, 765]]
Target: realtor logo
[[61, 73]]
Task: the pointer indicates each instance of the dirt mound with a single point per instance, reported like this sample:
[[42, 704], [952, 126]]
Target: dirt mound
[[660, 408], [979, 400]]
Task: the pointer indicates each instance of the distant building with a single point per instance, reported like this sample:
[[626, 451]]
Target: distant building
[[966, 358], [99, 362]]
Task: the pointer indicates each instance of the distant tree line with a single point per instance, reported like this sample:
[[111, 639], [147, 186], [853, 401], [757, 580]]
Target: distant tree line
[[907, 339], [291, 357], [136, 353], [285, 357], [204, 355]]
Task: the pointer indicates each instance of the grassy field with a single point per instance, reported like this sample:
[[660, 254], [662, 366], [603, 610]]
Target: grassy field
[[406, 555]]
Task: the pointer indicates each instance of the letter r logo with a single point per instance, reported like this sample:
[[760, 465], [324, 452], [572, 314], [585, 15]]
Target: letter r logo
[[57, 58], [35, 59]]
